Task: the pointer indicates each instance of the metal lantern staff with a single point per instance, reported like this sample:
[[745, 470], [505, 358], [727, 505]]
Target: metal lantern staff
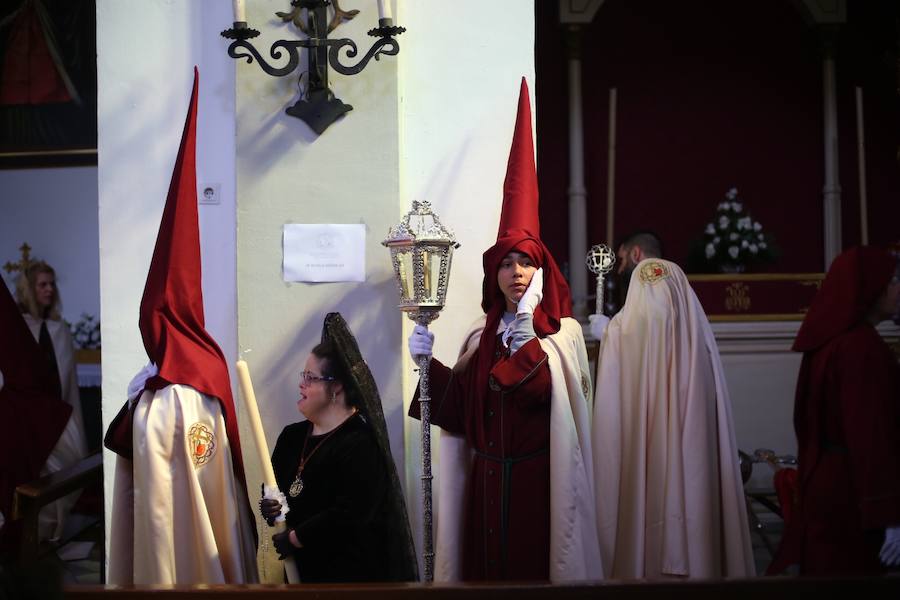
[[600, 260], [421, 253]]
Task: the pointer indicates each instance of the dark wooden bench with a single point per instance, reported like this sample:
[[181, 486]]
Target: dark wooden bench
[[769, 588]]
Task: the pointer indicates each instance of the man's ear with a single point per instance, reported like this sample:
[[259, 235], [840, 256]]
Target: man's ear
[[637, 255]]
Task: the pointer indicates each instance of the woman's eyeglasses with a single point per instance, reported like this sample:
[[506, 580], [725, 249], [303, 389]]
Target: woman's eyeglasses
[[306, 378]]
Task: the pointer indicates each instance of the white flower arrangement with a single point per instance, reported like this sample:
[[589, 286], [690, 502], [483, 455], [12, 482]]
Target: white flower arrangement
[[732, 241], [87, 332]]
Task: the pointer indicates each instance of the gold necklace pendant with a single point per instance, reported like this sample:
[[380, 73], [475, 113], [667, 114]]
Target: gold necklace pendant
[[296, 487]]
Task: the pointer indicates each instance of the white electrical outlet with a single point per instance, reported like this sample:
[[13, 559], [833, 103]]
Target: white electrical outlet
[[209, 193]]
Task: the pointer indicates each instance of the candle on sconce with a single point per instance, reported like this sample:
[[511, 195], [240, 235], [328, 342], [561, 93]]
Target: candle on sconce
[[384, 9], [240, 12]]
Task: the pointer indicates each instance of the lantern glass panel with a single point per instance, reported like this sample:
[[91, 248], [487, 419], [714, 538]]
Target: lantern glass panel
[[406, 273], [431, 262]]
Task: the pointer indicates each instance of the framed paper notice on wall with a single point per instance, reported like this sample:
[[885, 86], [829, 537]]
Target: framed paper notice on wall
[[324, 253]]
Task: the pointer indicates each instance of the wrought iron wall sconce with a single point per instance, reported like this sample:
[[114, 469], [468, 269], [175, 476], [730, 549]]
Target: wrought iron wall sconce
[[318, 107]]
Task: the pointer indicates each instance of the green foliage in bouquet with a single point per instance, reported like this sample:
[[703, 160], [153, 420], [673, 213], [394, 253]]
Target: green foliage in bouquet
[[732, 242]]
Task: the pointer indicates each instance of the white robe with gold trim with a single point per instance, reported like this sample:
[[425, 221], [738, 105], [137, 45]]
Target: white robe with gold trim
[[179, 514], [669, 493]]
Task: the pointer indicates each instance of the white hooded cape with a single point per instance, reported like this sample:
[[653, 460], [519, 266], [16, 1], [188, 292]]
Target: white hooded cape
[[669, 493]]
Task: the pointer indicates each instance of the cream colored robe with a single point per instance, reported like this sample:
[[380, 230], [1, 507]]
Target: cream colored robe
[[669, 491], [574, 549], [177, 518]]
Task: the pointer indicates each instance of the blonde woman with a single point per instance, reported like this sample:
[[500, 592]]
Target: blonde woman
[[38, 299]]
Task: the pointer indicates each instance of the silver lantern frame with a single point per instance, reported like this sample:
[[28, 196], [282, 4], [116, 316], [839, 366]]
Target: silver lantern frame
[[414, 244]]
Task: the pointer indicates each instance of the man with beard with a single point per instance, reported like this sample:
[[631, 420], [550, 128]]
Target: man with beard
[[634, 248]]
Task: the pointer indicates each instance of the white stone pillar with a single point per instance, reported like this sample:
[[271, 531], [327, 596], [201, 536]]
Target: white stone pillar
[[577, 192]]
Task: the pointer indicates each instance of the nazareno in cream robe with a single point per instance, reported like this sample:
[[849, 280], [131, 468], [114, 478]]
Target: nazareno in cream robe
[[179, 514], [669, 492]]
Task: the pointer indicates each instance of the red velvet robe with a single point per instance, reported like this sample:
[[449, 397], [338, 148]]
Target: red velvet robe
[[847, 419], [507, 535]]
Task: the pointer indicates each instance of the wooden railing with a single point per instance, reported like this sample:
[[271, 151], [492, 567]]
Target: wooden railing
[[30, 497]]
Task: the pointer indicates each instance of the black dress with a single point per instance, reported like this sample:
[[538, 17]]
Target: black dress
[[340, 514]]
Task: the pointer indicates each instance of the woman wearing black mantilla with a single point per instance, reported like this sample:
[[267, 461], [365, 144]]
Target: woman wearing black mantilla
[[347, 517]]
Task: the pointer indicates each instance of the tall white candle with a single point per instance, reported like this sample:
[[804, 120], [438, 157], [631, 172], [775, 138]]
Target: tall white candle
[[240, 14], [384, 9], [262, 450], [611, 169], [259, 436], [861, 148]]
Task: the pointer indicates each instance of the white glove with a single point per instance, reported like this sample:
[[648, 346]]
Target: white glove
[[421, 342], [137, 383], [890, 550], [273, 493], [533, 295], [519, 332], [598, 325]]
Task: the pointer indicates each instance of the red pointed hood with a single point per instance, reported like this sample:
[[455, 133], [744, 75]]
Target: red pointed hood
[[520, 230], [171, 318], [520, 188], [853, 283]]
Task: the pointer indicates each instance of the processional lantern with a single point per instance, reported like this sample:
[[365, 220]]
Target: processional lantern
[[421, 253]]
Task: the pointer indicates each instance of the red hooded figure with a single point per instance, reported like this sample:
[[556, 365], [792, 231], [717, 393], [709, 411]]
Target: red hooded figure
[[32, 414], [847, 421], [514, 412], [180, 510]]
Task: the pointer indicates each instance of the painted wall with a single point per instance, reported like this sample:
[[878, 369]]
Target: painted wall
[[458, 108], [425, 125], [55, 212]]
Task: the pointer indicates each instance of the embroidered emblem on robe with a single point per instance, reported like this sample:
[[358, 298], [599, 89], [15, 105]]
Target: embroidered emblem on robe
[[585, 385], [202, 443], [652, 272]]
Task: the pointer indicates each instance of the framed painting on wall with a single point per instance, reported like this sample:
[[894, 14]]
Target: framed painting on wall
[[48, 84]]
